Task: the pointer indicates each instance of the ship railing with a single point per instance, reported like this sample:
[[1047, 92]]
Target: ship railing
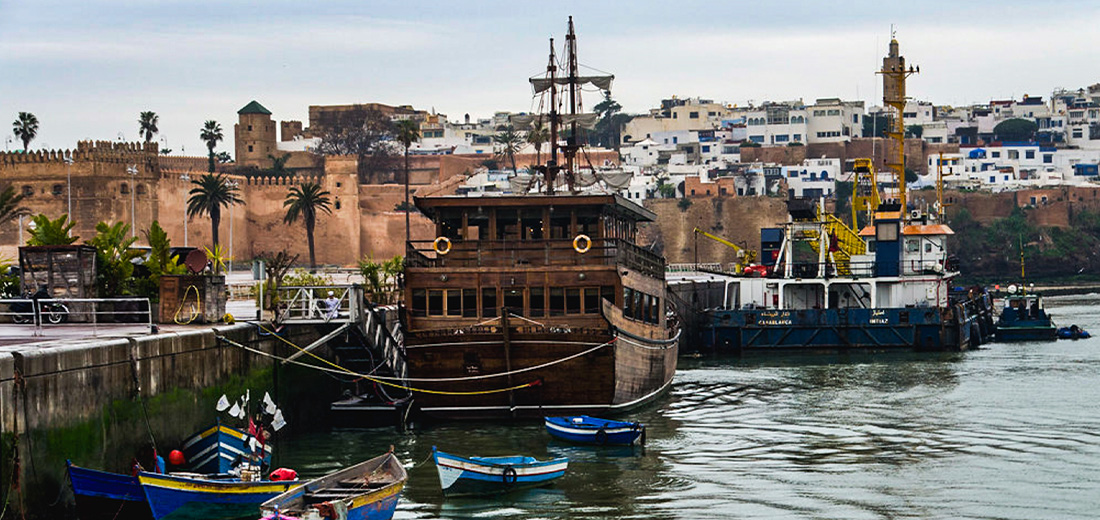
[[516, 329], [865, 269], [534, 253], [311, 304]]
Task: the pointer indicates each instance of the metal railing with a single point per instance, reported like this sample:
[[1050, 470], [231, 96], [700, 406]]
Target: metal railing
[[535, 253], [97, 313], [313, 304]]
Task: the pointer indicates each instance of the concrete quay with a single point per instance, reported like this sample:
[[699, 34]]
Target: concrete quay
[[100, 401]]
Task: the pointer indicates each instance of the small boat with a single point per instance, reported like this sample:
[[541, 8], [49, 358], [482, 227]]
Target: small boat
[[1073, 332], [219, 449], [105, 495], [473, 476], [185, 496], [1024, 319], [593, 430], [366, 491]]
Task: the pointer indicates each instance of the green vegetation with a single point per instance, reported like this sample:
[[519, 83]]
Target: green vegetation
[[114, 259], [25, 127], [914, 131], [147, 124], [991, 252], [307, 200], [507, 143], [9, 205], [211, 193], [684, 204], [1015, 130], [610, 123], [278, 165], [537, 137], [876, 125], [46, 232], [211, 133], [380, 279], [302, 278]]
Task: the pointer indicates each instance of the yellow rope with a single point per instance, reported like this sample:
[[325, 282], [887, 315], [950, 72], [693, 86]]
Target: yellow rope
[[183, 301], [338, 368]]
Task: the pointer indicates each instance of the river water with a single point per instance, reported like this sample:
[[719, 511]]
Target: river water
[[1010, 431]]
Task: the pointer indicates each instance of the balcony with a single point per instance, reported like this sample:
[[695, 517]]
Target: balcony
[[535, 253]]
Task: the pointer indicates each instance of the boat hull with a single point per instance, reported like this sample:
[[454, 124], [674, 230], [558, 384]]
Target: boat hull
[[219, 449], [481, 476], [581, 372], [180, 498], [1024, 333], [367, 503], [105, 495], [591, 430]]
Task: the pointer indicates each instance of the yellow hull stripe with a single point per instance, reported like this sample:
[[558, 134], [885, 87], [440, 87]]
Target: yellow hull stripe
[[214, 486]]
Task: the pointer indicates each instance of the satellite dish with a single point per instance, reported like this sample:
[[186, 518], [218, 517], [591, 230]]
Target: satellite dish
[[1012, 289], [195, 261]]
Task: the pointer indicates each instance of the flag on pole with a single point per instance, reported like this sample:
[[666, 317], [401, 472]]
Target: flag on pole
[[269, 404], [278, 422], [223, 404]]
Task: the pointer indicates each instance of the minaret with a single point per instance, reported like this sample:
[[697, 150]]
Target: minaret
[[893, 96], [254, 136]]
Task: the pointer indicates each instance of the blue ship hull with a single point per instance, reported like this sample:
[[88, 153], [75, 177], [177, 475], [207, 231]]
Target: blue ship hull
[[916, 328], [181, 498], [476, 476], [100, 494], [219, 449], [1026, 333], [592, 430]]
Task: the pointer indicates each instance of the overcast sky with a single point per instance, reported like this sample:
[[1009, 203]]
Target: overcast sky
[[86, 69]]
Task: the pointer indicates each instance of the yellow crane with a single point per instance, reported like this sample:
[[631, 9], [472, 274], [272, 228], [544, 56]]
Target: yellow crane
[[745, 257]]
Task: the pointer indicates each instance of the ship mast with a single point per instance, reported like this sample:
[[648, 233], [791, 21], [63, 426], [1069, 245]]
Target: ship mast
[[572, 144], [894, 74], [551, 171]]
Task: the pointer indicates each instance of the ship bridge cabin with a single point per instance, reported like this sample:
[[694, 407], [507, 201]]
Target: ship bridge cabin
[[550, 261]]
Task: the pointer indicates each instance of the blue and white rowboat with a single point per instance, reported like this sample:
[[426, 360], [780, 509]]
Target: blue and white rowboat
[[219, 449], [472, 476], [593, 430], [205, 497]]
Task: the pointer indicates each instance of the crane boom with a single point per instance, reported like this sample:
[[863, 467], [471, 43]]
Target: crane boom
[[745, 257]]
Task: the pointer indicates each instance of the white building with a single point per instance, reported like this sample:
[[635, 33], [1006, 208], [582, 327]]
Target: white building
[[813, 178]]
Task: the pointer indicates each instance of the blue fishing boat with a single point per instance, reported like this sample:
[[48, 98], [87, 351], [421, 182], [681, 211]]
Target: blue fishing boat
[[366, 491], [593, 430], [219, 449], [105, 495], [474, 476], [1023, 318], [207, 497]]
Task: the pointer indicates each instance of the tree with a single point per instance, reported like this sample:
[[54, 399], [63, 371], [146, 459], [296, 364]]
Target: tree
[[114, 258], [1015, 130], [211, 193], [211, 133], [46, 232], [363, 132], [25, 128], [408, 132], [278, 165], [876, 125], [914, 131], [9, 205], [508, 142], [307, 200], [610, 122], [147, 122], [537, 137], [223, 157]]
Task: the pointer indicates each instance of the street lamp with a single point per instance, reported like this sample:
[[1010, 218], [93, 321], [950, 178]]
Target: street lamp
[[69, 182], [185, 178], [133, 171], [231, 184]]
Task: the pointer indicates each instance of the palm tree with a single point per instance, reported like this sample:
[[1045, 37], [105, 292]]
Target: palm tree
[[210, 194], [508, 143], [278, 165], [408, 132], [306, 200], [148, 121], [25, 128], [537, 137], [9, 205], [211, 133]]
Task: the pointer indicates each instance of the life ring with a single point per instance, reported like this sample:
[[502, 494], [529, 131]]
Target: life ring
[[509, 476], [587, 244], [601, 436], [442, 250]]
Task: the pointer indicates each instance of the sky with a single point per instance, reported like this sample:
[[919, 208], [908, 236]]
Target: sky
[[87, 68]]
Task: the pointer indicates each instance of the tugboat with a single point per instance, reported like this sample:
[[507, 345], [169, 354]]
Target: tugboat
[[527, 305], [1023, 318]]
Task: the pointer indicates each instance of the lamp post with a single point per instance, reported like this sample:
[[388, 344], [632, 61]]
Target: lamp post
[[69, 183], [133, 171], [185, 178], [231, 184]]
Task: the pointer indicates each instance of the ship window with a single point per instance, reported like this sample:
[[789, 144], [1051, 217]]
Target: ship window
[[912, 245], [435, 303], [591, 300], [646, 303], [454, 302], [557, 301], [628, 302], [532, 224], [488, 302], [559, 226], [469, 303], [588, 225], [513, 300], [886, 231], [572, 301], [538, 302], [507, 225], [607, 292], [419, 302], [655, 310], [639, 311]]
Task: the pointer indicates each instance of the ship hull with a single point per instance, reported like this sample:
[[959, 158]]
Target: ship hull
[[533, 374]]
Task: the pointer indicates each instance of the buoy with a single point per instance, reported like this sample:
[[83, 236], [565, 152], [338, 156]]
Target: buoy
[[176, 458]]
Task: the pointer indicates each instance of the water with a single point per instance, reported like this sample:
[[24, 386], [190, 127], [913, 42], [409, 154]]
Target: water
[[1009, 431]]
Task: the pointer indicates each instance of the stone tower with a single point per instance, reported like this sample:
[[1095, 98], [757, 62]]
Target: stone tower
[[255, 136]]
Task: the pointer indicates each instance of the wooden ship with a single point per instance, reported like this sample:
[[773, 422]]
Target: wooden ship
[[527, 305]]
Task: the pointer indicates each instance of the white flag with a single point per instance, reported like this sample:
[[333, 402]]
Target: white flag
[[269, 405], [278, 422], [236, 410], [223, 404], [253, 444]]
